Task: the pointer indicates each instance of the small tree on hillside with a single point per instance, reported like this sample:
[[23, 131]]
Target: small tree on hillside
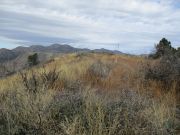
[[163, 48], [33, 59], [167, 68]]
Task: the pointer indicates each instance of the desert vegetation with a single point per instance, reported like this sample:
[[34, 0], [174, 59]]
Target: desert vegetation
[[94, 94]]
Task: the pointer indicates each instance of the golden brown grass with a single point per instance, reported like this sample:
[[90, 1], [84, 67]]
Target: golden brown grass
[[75, 68]]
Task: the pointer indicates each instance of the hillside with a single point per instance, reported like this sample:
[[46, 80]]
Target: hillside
[[6, 55], [16, 59], [86, 93], [21, 52], [92, 67], [54, 48]]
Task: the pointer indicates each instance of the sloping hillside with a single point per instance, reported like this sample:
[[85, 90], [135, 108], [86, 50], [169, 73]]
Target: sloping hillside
[[6, 55], [86, 93]]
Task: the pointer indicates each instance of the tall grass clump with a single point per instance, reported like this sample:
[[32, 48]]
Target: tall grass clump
[[98, 73]]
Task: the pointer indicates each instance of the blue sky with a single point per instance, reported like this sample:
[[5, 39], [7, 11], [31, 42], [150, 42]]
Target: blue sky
[[132, 26]]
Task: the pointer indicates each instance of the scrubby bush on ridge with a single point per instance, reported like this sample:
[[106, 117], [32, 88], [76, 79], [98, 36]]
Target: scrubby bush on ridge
[[166, 67]]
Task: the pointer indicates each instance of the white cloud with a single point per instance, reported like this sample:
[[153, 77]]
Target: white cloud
[[131, 23]]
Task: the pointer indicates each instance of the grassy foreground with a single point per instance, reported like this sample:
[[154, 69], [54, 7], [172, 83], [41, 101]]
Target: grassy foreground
[[86, 94]]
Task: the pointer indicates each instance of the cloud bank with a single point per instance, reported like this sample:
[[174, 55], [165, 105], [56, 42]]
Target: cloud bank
[[132, 26]]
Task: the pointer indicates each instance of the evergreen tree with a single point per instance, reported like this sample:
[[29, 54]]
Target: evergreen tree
[[33, 59], [163, 48]]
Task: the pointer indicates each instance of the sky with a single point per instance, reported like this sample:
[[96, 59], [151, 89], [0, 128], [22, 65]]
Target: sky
[[131, 26]]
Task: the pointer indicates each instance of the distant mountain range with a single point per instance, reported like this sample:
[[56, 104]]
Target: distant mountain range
[[15, 60], [8, 55]]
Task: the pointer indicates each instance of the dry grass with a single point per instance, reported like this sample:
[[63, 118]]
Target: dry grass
[[72, 68], [82, 102]]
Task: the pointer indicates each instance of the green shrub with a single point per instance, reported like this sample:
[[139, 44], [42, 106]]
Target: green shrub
[[33, 59]]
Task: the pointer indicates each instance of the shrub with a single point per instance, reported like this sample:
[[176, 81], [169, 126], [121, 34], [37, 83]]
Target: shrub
[[163, 48], [87, 112], [49, 78], [99, 69], [81, 54], [30, 82], [166, 69], [33, 81], [33, 59]]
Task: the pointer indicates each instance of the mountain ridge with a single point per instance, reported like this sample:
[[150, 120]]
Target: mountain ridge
[[13, 60], [53, 48]]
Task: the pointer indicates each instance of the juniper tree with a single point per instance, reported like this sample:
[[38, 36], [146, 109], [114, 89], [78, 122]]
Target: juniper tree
[[33, 59]]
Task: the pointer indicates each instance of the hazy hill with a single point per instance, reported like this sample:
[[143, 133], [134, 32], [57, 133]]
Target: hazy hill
[[54, 48], [102, 50], [6, 55], [21, 52]]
